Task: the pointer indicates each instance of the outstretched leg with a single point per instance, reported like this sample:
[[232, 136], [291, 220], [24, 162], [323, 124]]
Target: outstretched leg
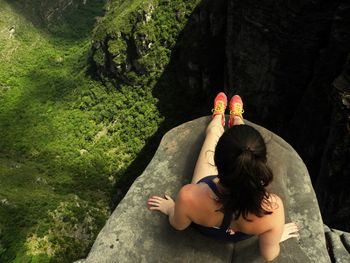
[[205, 164]]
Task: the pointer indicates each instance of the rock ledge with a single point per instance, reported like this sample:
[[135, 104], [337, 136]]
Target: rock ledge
[[134, 234]]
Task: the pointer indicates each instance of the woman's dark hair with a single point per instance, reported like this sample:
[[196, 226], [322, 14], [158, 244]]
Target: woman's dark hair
[[240, 157]]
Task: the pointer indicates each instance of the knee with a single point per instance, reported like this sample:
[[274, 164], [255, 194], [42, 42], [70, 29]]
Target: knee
[[215, 129]]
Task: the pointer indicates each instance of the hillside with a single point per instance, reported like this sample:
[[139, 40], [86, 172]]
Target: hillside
[[67, 140], [88, 88]]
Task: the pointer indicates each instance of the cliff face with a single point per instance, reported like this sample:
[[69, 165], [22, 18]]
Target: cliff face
[[288, 60], [284, 58]]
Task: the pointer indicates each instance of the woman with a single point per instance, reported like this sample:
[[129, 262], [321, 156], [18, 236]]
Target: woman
[[229, 200]]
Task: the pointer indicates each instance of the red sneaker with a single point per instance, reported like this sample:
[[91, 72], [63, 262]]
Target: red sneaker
[[220, 104], [236, 109]]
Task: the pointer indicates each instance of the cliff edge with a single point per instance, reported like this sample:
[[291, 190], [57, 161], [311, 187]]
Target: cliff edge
[[135, 234]]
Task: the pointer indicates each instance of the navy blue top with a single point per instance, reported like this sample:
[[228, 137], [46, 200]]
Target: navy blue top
[[219, 232]]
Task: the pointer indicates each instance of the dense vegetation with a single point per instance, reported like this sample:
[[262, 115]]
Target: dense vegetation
[[68, 142], [54, 185]]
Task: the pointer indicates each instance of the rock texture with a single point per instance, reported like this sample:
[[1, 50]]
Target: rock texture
[[135, 234], [288, 59], [283, 57], [338, 244]]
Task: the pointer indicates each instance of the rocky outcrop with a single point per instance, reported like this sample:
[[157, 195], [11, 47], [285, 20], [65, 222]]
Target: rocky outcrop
[[284, 58], [333, 177], [338, 244], [135, 234]]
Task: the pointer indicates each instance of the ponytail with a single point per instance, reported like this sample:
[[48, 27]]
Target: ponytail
[[243, 172]]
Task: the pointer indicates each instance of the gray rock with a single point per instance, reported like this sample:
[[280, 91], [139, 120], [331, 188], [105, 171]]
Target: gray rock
[[338, 243], [338, 252], [346, 241], [135, 234]]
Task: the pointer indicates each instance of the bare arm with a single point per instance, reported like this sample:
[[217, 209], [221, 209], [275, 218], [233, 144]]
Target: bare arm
[[269, 244], [269, 241], [178, 211]]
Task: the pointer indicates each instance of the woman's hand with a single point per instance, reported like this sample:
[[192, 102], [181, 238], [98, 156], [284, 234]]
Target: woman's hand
[[164, 205], [289, 230]]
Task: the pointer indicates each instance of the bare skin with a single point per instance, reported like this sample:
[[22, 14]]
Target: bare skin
[[197, 203]]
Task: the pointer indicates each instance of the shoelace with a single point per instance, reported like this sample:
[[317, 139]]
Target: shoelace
[[219, 107], [237, 110]]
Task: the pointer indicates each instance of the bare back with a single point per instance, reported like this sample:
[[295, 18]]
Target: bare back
[[203, 209]]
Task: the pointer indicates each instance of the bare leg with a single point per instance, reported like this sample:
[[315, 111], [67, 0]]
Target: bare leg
[[205, 164], [238, 120]]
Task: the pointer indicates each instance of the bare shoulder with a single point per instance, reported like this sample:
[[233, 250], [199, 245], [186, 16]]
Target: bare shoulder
[[186, 193], [187, 199], [274, 203], [276, 219], [273, 220]]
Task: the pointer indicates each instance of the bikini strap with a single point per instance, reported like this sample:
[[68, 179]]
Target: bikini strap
[[209, 181], [226, 221]]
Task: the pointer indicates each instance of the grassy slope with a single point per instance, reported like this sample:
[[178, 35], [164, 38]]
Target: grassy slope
[[65, 140]]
